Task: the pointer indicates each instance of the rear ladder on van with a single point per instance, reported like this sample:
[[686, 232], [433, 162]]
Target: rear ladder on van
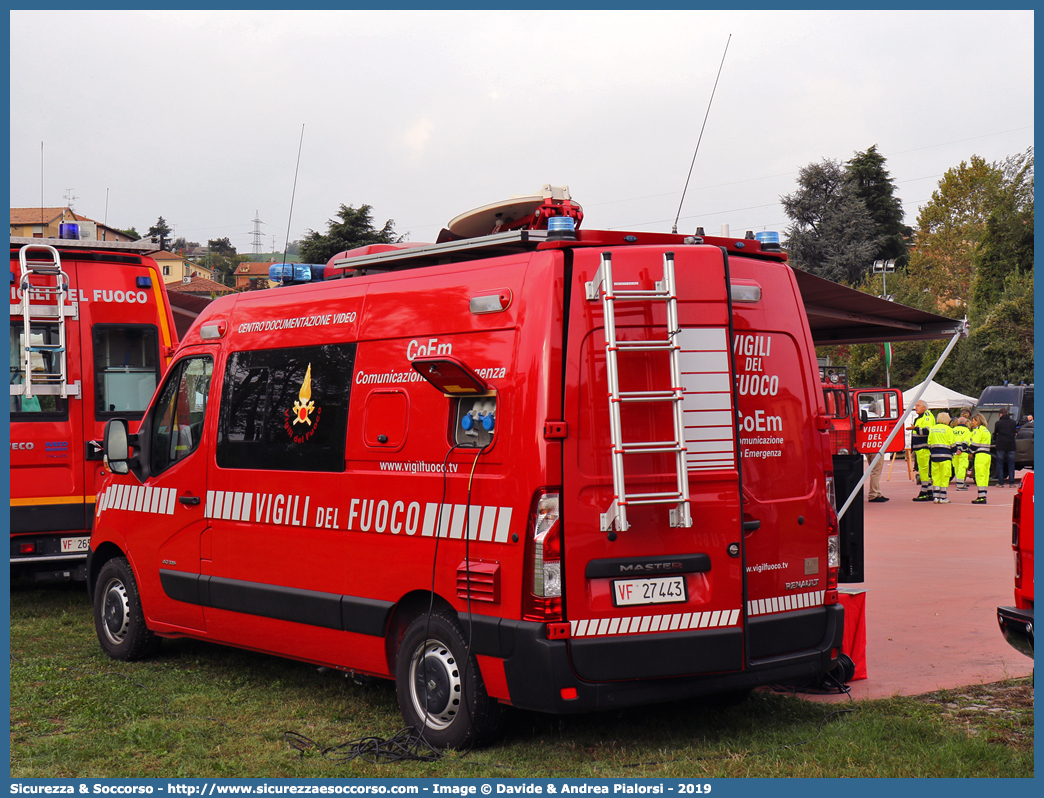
[[672, 395], [43, 261]]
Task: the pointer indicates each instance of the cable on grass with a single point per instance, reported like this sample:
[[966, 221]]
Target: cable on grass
[[405, 745], [827, 684], [408, 744]]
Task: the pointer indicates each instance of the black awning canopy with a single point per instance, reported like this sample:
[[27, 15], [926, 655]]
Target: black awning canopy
[[841, 315]]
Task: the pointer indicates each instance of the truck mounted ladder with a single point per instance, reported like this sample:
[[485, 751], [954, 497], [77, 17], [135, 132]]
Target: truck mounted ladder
[[671, 396], [52, 284]]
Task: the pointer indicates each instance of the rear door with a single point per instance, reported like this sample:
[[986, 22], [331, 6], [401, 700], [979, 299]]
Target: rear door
[[878, 411], [784, 462], [654, 599]]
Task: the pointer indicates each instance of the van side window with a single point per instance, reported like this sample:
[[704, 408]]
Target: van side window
[[180, 412], [45, 407], [126, 369], [286, 409]]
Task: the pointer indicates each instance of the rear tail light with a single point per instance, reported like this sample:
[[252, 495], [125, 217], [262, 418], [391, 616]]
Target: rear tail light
[[1016, 517], [833, 547], [1016, 511], [543, 591], [27, 548]]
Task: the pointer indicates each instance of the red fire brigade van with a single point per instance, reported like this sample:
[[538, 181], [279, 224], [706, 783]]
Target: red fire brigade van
[[558, 469], [89, 340], [1016, 623]]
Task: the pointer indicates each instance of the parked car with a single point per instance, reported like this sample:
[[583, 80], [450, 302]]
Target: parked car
[[1024, 446], [1017, 398]]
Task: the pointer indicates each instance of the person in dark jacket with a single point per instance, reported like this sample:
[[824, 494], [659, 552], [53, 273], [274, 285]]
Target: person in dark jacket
[[1004, 441]]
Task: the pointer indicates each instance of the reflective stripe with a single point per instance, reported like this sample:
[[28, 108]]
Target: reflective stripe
[[137, 499], [941, 453], [791, 601], [647, 624]]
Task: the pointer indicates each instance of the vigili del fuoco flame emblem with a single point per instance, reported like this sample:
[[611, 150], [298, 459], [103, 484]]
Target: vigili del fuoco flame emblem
[[304, 405]]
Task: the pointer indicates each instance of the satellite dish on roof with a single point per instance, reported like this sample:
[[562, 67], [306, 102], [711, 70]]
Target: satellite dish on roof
[[483, 221], [507, 214]]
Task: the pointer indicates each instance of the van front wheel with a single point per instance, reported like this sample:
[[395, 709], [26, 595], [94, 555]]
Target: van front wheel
[[439, 687], [118, 617]]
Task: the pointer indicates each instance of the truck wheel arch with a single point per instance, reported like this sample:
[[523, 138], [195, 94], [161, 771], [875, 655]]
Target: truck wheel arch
[[97, 559], [406, 609]]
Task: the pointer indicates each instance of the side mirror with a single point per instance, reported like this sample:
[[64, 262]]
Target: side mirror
[[116, 446]]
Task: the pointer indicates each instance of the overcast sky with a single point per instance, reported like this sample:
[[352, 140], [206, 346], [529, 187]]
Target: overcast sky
[[197, 116]]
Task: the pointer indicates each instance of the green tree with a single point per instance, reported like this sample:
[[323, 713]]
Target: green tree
[[874, 186], [950, 227], [832, 235], [1007, 243], [160, 230], [223, 259], [974, 257], [355, 229], [131, 232]]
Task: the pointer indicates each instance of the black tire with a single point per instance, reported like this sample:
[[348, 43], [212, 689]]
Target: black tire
[[118, 616], [439, 695]]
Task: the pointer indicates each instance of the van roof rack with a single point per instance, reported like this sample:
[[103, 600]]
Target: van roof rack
[[447, 252], [137, 247]]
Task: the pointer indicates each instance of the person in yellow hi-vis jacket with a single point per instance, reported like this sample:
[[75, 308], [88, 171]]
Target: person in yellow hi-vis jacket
[[961, 434], [940, 446], [919, 444], [979, 444]]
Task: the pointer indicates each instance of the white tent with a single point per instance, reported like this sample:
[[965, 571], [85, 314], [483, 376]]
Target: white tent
[[938, 397]]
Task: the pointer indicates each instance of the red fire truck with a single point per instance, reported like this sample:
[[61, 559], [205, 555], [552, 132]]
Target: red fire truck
[[91, 333], [1016, 623], [528, 464], [860, 418]]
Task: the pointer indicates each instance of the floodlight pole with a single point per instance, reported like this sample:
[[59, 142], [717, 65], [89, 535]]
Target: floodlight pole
[[885, 266]]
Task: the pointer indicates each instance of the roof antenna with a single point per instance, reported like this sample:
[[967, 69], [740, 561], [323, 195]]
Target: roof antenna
[[292, 193], [674, 229]]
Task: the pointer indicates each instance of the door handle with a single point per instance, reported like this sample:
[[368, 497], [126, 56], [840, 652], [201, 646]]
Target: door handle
[[748, 526], [189, 500]]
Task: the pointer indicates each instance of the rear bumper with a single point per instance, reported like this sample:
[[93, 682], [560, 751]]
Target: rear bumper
[[40, 555], [1017, 627], [539, 670]]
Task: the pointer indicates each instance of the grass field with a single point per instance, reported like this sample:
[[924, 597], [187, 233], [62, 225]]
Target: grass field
[[201, 710]]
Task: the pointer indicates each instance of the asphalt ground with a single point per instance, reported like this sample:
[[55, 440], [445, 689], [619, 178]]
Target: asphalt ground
[[935, 575]]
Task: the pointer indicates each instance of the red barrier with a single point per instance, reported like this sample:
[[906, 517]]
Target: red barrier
[[854, 641]]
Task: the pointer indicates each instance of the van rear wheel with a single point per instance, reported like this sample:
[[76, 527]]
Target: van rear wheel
[[440, 690], [118, 616]]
